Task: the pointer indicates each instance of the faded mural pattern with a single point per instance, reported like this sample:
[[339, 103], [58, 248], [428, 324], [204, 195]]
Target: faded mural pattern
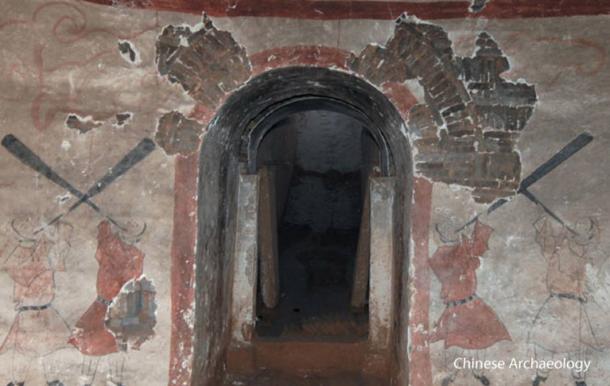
[[84, 295], [84, 274]]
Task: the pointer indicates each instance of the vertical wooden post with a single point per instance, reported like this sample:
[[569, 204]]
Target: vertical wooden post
[[382, 293], [267, 238], [244, 281]]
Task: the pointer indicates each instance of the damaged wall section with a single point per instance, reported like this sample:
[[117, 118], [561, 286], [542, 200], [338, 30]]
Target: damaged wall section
[[177, 134], [485, 160], [467, 130], [207, 63]]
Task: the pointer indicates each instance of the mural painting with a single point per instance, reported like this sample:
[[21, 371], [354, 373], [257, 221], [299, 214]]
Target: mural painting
[[86, 85], [470, 326], [102, 332], [566, 253], [467, 323], [31, 260], [123, 314]]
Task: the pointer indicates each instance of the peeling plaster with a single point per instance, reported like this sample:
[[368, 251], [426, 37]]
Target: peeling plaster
[[177, 134], [129, 52], [82, 124], [205, 61]]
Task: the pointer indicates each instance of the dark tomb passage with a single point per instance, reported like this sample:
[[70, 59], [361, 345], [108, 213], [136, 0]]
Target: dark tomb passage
[[303, 270], [319, 162]]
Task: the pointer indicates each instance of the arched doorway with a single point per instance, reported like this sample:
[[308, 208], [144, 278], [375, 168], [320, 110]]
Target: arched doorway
[[314, 167], [228, 256]]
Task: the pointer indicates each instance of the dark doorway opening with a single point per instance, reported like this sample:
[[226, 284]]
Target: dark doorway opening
[[321, 161], [227, 345]]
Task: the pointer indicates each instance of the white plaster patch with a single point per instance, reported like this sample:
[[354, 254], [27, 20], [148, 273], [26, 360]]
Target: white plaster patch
[[189, 317], [415, 87], [184, 42], [63, 198]]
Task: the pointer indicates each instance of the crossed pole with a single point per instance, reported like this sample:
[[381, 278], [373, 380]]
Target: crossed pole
[[146, 146], [30, 159], [566, 152]]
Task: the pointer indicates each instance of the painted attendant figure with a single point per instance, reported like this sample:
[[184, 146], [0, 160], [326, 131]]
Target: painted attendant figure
[[120, 263], [564, 313], [38, 330], [467, 323]]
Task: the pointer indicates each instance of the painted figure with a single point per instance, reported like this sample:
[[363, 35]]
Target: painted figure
[[38, 329], [102, 332], [467, 323], [564, 313]]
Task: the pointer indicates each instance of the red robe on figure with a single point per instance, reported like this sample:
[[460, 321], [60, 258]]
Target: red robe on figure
[[466, 322], [119, 262]]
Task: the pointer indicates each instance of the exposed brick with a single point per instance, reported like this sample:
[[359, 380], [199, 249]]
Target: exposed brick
[[208, 63], [177, 134], [433, 157], [421, 121], [436, 81], [487, 195], [500, 104], [453, 145], [504, 166], [480, 113], [435, 171], [504, 118], [497, 141]]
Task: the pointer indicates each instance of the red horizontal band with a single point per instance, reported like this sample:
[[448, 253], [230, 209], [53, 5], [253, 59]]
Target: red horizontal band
[[378, 10]]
